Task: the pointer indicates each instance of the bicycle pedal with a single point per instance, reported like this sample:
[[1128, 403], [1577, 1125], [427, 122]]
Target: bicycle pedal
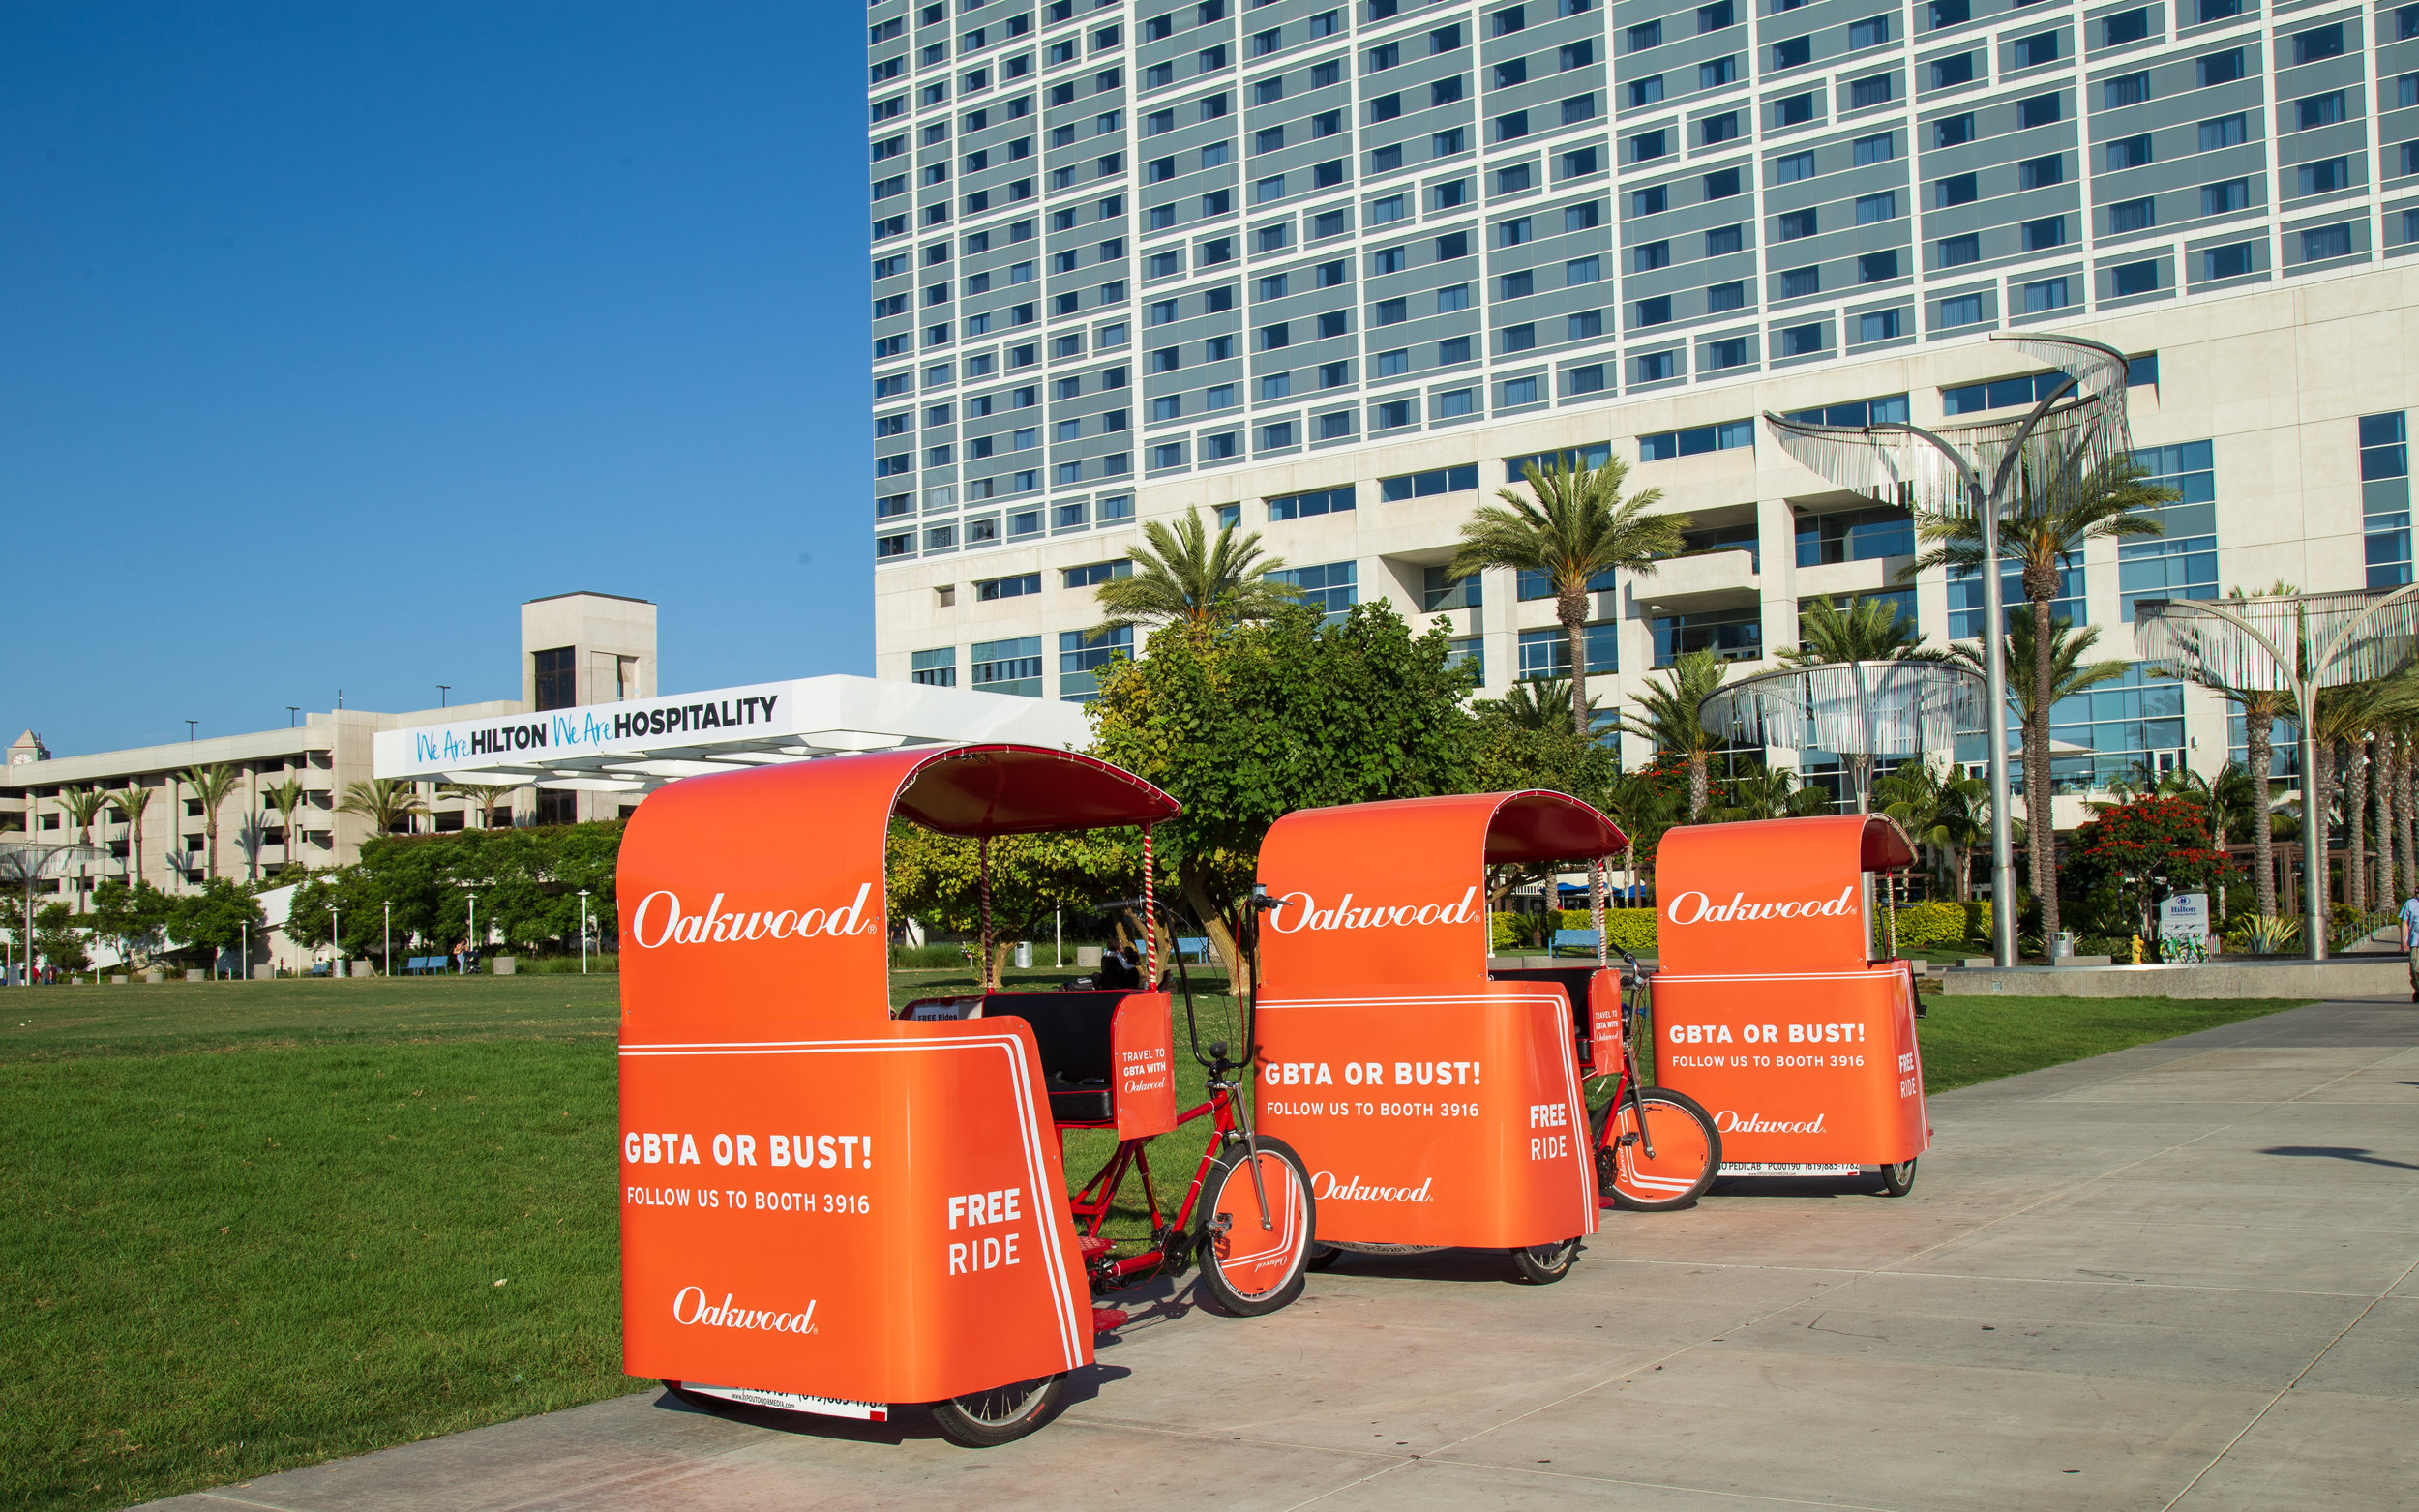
[[1627, 1138], [1220, 1224], [1109, 1320]]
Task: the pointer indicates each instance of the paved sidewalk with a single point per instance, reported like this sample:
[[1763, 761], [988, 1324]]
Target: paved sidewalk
[[2179, 1276]]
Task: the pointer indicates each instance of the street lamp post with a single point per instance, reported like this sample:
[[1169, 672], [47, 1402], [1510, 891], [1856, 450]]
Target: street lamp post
[[336, 945], [1902, 463], [386, 967], [470, 936], [2295, 644], [583, 932]]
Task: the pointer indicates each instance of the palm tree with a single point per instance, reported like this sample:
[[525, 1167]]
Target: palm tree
[[1870, 631], [1946, 815], [487, 795], [1542, 703], [2348, 714], [1773, 792], [1671, 719], [1184, 578], [1573, 525], [388, 803], [2056, 510], [130, 801], [84, 805], [288, 798], [2069, 674], [213, 785], [2260, 708]]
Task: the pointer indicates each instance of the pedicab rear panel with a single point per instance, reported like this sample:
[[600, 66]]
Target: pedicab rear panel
[[818, 1199], [1774, 1008], [1434, 1105]]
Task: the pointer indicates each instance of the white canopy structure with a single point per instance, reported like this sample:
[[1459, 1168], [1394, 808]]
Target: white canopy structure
[[641, 744], [1858, 709]]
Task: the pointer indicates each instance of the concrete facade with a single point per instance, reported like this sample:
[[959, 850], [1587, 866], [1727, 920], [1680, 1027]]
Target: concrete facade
[[327, 752], [1343, 351]]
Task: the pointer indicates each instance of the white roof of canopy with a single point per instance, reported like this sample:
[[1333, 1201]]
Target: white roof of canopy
[[643, 743]]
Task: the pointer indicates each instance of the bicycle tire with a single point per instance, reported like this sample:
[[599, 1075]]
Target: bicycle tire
[[1687, 1159], [1898, 1179], [1248, 1270], [1322, 1256], [1544, 1264], [1003, 1414]]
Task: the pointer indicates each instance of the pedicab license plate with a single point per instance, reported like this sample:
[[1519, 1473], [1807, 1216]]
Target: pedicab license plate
[[1767, 1168], [791, 1402]]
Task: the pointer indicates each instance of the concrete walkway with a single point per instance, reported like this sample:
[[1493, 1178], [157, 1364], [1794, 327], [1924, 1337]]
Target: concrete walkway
[[2180, 1276]]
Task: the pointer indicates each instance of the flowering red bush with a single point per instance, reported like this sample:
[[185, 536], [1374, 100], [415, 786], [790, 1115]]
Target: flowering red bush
[[2128, 845]]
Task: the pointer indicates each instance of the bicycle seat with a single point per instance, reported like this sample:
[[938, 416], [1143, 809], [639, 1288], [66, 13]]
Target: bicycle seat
[[1078, 1101]]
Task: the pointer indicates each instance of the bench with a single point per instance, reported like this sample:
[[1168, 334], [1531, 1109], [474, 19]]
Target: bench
[[1071, 1030], [1196, 948], [1583, 939]]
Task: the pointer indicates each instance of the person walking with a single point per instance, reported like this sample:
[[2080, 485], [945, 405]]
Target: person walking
[[2410, 939]]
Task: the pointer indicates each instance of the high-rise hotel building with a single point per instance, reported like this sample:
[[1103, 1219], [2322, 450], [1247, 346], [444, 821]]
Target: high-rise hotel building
[[1333, 269]]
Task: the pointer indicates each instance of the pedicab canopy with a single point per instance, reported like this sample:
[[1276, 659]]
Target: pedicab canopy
[[1775, 1007], [1397, 891], [1434, 1103], [819, 1200]]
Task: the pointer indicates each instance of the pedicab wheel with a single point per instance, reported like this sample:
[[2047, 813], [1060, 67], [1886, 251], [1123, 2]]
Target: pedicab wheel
[[1543, 1264], [1003, 1415], [1247, 1269], [1322, 1256], [1898, 1179], [1688, 1151]]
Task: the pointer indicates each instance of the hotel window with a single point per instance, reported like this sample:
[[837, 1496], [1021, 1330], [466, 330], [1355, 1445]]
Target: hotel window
[[2385, 498], [556, 680], [938, 668], [1330, 587], [1011, 666], [1439, 591], [1422, 485], [1322, 501], [1081, 653], [1546, 653], [1723, 437], [2182, 562]]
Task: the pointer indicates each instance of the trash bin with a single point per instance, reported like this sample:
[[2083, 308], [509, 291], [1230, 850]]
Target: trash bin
[[1025, 954], [2065, 946]]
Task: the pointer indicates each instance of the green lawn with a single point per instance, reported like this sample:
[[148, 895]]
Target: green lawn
[[1967, 1040], [248, 1226]]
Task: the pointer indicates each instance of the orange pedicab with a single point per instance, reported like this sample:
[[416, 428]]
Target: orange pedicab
[[830, 1209], [1776, 1009], [1438, 1104]]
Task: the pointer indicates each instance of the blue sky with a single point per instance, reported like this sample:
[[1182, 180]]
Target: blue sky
[[330, 333]]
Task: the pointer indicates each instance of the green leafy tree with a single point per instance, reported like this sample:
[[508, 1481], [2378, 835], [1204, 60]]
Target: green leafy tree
[[216, 919], [938, 878], [59, 937], [2069, 674], [1524, 745], [2057, 509], [1670, 720], [211, 786], [1181, 577], [132, 918], [1571, 524], [1251, 721]]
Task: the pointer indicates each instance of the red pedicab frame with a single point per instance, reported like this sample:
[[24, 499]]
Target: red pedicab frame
[[885, 1221]]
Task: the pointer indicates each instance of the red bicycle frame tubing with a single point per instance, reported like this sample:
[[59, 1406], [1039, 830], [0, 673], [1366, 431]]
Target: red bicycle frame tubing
[[1091, 1204]]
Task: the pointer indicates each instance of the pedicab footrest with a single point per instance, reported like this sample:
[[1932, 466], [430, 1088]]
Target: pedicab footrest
[[1096, 1245]]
